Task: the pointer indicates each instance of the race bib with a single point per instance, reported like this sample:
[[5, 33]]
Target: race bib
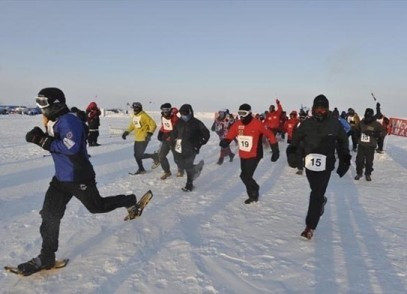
[[245, 143], [315, 162], [364, 138], [136, 122], [178, 145], [167, 124]]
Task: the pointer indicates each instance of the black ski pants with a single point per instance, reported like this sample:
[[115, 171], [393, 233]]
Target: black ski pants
[[248, 167], [93, 136], [380, 143], [318, 182], [187, 163], [139, 149], [164, 150], [57, 197], [355, 138], [364, 159]]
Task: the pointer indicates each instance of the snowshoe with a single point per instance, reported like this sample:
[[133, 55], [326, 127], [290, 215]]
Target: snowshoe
[[36, 265], [137, 209]]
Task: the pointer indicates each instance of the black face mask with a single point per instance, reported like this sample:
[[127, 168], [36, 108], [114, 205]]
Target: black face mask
[[246, 120], [368, 119], [54, 111]]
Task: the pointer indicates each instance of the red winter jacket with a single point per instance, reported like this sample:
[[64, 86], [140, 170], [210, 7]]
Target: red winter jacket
[[290, 126], [272, 120], [249, 137], [167, 125]]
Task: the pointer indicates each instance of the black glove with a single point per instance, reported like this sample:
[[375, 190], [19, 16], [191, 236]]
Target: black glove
[[292, 156], [148, 136], [197, 148], [125, 134], [276, 152], [160, 136], [224, 143], [344, 164], [37, 136]]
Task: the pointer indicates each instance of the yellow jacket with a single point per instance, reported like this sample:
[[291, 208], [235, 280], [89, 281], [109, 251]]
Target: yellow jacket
[[141, 123]]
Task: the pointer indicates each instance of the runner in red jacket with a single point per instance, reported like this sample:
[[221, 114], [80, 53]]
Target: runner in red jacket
[[249, 132], [272, 120], [290, 125]]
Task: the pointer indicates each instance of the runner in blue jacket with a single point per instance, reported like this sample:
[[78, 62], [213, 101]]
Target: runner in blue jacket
[[65, 139]]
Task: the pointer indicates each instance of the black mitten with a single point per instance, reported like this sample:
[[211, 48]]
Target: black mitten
[[148, 136], [292, 156], [344, 164], [37, 136], [125, 134], [224, 143], [276, 152]]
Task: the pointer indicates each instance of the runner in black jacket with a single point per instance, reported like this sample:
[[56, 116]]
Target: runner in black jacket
[[188, 136], [319, 135]]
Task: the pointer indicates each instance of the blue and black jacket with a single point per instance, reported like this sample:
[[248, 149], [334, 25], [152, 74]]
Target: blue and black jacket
[[68, 150]]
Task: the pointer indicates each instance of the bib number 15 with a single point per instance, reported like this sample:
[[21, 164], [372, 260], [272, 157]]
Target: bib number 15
[[315, 162]]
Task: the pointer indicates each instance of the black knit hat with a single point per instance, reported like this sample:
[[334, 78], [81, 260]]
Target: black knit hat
[[245, 106], [321, 101], [369, 112], [54, 95], [165, 105]]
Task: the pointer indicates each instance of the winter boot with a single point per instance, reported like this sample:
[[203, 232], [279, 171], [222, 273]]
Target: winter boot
[[220, 161], [323, 205], [307, 233], [358, 176], [368, 178], [165, 175], [180, 173], [37, 264], [188, 187], [250, 200], [133, 211], [156, 161], [299, 172], [231, 156], [139, 172]]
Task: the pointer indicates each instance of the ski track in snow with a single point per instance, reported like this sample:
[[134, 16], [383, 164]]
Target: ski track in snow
[[206, 241]]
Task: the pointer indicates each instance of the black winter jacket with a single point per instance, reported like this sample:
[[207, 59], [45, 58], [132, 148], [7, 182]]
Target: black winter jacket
[[193, 134], [322, 137]]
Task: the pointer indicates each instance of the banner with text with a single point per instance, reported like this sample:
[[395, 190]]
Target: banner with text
[[398, 127]]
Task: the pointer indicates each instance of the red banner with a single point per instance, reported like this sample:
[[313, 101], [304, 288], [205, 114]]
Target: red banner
[[398, 127]]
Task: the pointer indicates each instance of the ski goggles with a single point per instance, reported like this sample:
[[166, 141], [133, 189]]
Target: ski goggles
[[243, 113], [42, 102]]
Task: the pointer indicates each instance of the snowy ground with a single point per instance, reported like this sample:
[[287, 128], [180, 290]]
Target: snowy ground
[[206, 241]]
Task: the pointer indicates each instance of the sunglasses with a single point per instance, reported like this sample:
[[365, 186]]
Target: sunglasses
[[243, 113], [165, 109], [42, 102]]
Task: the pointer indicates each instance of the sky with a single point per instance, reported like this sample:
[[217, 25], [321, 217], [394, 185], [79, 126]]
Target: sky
[[211, 54]]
